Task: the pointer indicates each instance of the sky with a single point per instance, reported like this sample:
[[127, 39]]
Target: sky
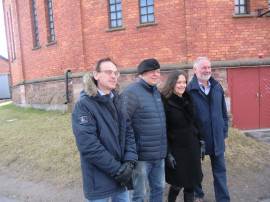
[[3, 44]]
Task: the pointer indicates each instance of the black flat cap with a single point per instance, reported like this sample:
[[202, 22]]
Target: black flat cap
[[148, 65]]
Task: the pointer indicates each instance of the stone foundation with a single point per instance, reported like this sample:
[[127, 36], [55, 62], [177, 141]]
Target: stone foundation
[[51, 95]]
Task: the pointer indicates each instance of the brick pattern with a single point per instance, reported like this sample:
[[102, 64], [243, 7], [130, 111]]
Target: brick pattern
[[4, 66], [185, 30]]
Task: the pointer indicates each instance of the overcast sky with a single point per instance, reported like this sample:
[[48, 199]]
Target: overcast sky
[[3, 44]]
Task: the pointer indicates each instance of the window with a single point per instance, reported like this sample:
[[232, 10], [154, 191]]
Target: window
[[115, 13], [35, 24], [240, 6], [147, 11], [50, 27]]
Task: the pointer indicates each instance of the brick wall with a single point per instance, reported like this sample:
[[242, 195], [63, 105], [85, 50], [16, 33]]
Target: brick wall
[[185, 30], [48, 60], [4, 68], [212, 31]]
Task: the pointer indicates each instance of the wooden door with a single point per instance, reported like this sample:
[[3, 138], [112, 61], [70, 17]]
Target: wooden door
[[244, 90], [265, 97], [250, 97]]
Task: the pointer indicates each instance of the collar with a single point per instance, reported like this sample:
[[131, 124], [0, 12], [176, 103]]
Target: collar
[[201, 85], [151, 87], [101, 93]]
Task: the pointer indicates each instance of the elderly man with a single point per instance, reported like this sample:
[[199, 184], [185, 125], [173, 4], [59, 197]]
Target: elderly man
[[147, 116], [104, 136], [209, 101]]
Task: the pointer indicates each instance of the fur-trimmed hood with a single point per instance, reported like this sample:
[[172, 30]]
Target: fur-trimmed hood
[[90, 87]]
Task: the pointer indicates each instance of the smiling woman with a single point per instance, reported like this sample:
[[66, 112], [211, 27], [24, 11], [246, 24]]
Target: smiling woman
[[3, 43]]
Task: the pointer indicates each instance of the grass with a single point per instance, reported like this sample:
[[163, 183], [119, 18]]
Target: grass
[[245, 152], [39, 145]]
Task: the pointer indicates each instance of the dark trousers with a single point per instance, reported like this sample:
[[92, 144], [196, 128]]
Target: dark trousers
[[220, 180]]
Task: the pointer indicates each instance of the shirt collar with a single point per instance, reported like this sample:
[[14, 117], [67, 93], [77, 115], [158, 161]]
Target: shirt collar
[[201, 85], [101, 93]]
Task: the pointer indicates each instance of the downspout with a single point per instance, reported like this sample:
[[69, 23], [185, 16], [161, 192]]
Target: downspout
[[66, 81]]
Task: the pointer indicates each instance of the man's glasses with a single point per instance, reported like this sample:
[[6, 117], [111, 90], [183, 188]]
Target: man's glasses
[[109, 72]]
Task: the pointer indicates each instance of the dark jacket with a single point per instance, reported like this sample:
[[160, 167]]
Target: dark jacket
[[184, 134], [103, 140], [148, 120], [213, 118]]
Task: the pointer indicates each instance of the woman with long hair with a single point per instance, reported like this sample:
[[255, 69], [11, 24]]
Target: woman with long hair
[[185, 139]]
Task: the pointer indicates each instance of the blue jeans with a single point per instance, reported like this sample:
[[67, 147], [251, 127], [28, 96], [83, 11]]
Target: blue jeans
[[220, 180], [122, 197], [155, 173]]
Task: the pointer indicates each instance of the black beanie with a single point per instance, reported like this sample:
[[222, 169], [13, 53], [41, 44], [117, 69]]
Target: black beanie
[[148, 65]]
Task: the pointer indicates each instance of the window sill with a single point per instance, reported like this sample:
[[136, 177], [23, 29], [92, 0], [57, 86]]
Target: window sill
[[115, 29], [248, 15], [50, 43], [146, 24], [36, 47]]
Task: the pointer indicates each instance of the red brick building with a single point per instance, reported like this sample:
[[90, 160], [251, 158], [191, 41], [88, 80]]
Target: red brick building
[[4, 66], [46, 38]]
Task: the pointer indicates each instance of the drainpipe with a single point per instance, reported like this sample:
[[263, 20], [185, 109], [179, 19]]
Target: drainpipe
[[66, 81]]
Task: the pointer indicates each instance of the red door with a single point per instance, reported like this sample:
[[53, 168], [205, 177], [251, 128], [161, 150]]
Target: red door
[[265, 97], [250, 97], [244, 90]]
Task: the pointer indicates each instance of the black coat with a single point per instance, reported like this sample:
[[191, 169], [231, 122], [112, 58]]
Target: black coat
[[183, 134]]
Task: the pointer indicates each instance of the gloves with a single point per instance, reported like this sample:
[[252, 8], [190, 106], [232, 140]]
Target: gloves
[[125, 172], [170, 161], [202, 147]]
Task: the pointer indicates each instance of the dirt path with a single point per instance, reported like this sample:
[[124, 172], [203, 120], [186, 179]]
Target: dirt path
[[12, 189], [244, 185]]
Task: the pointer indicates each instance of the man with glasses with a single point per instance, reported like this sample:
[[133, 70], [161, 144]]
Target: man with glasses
[[147, 115], [104, 136]]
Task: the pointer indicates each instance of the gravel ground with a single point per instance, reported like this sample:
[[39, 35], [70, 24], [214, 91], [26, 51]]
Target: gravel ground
[[244, 185]]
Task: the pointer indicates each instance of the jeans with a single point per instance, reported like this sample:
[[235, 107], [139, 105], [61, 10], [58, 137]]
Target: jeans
[[155, 173], [122, 197], [220, 180]]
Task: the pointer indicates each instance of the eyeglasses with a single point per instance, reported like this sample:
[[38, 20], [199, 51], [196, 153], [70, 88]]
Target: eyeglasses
[[109, 72]]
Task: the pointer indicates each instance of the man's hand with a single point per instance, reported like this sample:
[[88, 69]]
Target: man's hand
[[202, 148], [170, 161], [125, 172]]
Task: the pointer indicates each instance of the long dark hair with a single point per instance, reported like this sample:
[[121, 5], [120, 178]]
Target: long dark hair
[[170, 83]]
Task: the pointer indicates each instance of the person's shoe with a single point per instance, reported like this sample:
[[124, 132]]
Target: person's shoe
[[172, 195], [198, 200]]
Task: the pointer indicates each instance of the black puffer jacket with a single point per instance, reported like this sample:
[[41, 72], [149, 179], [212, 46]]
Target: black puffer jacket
[[147, 119]]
